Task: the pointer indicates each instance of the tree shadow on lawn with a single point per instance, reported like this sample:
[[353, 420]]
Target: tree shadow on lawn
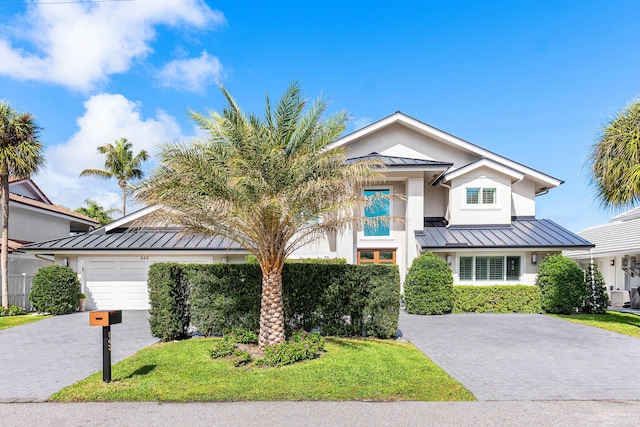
[[141, 371]]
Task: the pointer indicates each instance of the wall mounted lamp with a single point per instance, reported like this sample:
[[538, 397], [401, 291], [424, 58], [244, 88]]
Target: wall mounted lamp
[[449, 258], [534, 258], [612, 262]]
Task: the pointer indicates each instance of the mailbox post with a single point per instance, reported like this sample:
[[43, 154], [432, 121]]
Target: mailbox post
[[105, 319]]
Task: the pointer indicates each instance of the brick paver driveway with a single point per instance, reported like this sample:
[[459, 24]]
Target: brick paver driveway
[[528, 356], [40, 358]]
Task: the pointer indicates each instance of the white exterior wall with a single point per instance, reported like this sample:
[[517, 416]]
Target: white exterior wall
[[523, 199], [463, 214], [33, 226]]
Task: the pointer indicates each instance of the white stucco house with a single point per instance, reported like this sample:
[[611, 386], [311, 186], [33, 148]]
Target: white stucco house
[[617, 255], [474, 208]]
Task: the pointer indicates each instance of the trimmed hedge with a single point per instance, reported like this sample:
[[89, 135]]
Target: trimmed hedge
[[337, 299], [561, 282], [497, 299], [168, 300], [428, 287], [55, 290]]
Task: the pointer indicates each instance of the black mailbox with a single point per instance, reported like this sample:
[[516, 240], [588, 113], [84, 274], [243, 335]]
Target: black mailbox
[[105, 318]]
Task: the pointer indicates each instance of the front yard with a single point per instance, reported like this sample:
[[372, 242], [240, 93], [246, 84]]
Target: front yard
[[352, 369], [11, 321], [615, 321]]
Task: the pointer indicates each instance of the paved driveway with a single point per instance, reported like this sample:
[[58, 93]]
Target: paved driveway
[[528, 356], [40, 358]]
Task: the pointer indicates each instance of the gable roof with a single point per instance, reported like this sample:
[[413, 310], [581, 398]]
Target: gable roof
[[515, 175], [524, 234], [26, 201], [543, 181], [31, 188], [402, 162]]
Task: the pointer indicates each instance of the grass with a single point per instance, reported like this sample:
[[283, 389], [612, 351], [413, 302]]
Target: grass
[[7, 322], [615, 321], [349, 370]]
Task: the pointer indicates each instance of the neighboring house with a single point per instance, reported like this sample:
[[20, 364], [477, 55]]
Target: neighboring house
[[33, 217], [617, 254], [472, 207]]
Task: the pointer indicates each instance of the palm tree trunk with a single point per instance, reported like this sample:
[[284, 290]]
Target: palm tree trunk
[[4, 256], [124, 198], [272, 309]]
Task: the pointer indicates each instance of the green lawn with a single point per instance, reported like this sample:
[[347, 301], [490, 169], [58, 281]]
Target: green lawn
[[615, 321], [349, 370], [11, 321]]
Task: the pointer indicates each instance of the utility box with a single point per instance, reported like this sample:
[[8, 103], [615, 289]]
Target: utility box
[[105, 317]]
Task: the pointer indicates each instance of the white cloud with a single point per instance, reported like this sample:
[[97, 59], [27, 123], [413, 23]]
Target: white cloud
[[107, 117], [78, 45], [192, 75]]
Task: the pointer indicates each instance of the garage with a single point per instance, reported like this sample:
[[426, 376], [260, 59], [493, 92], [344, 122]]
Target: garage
[[121, 283]]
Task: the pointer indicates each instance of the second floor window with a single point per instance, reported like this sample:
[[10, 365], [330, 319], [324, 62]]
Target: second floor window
[[379, 206], [481, 196]]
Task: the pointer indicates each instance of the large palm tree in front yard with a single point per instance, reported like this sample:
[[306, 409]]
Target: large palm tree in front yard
[[20, 156], [269, 184], [121, 164]]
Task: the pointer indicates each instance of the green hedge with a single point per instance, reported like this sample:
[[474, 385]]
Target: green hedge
[[497, 299], [561, 281], [55, 290], [337, 299], [428, 287]]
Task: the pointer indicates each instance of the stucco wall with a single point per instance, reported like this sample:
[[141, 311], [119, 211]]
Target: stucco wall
[[462, 213], [32, 226]]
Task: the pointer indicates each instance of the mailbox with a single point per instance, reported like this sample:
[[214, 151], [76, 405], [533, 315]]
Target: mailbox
[[105, 318]]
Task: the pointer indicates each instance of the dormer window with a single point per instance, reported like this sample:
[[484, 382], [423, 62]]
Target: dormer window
[[481, 196]]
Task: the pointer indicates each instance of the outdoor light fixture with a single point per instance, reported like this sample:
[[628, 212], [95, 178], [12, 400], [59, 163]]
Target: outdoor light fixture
[[612, 262], [534, 258], [224, 259], [448, 259]]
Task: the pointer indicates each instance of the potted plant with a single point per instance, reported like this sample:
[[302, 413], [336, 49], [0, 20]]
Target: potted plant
[[82, 298]]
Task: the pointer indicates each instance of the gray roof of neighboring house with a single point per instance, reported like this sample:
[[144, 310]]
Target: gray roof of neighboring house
[[135, 240], [399, 161], [522, 233]]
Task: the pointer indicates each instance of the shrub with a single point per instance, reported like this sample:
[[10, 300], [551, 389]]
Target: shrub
[[168, 293], [597, 300], [55, 290], [428, 287], [301, 346], [497, 299], [561, 283], [13, 310], [225, 347]]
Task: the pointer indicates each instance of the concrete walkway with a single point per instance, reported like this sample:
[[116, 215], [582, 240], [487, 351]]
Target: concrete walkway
[[529, 356], [40, 358]]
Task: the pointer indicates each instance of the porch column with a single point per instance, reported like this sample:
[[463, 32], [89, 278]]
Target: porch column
[[414, 216]]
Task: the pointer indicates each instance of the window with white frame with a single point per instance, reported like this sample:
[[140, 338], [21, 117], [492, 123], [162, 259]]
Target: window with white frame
[[489, 268], [481, 196], [377, 210]]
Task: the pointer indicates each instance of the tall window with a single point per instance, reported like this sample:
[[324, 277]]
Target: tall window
[[484, 195], [379, 206], [485, 268]]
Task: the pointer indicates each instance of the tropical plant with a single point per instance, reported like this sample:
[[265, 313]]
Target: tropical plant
[[20, 156], [121, 164], [270, 184], [96, 211], [614, 160]]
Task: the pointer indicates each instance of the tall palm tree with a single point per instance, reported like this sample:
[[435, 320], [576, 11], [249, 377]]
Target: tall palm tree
[[270, 184], [20, 156], [96, 211], [614, 160], [121, 164]]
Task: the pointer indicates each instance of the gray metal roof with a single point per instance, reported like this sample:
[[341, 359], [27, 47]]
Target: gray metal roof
[[399, 161], [522, 233], [135, 240]]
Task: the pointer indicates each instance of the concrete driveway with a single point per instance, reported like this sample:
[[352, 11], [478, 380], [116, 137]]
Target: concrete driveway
[[40, 358], [528, 356]]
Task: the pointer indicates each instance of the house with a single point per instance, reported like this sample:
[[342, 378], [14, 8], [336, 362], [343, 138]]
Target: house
[[616, 253], [33, 217], [472, 207]]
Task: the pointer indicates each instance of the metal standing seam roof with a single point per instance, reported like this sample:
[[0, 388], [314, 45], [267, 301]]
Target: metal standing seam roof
[[522, 233], [399, 161], [131, 240]]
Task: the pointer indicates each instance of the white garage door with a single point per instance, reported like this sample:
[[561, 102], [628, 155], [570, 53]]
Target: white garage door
[[117, 284]]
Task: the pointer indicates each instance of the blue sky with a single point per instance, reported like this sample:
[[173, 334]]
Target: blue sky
[[533, 81]]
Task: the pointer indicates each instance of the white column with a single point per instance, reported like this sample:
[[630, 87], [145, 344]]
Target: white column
[[415, 218]]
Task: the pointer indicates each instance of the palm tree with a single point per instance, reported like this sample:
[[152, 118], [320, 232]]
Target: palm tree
[[20, 156], [614, 160], [269, 184], [96, 211], [120, 164]]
